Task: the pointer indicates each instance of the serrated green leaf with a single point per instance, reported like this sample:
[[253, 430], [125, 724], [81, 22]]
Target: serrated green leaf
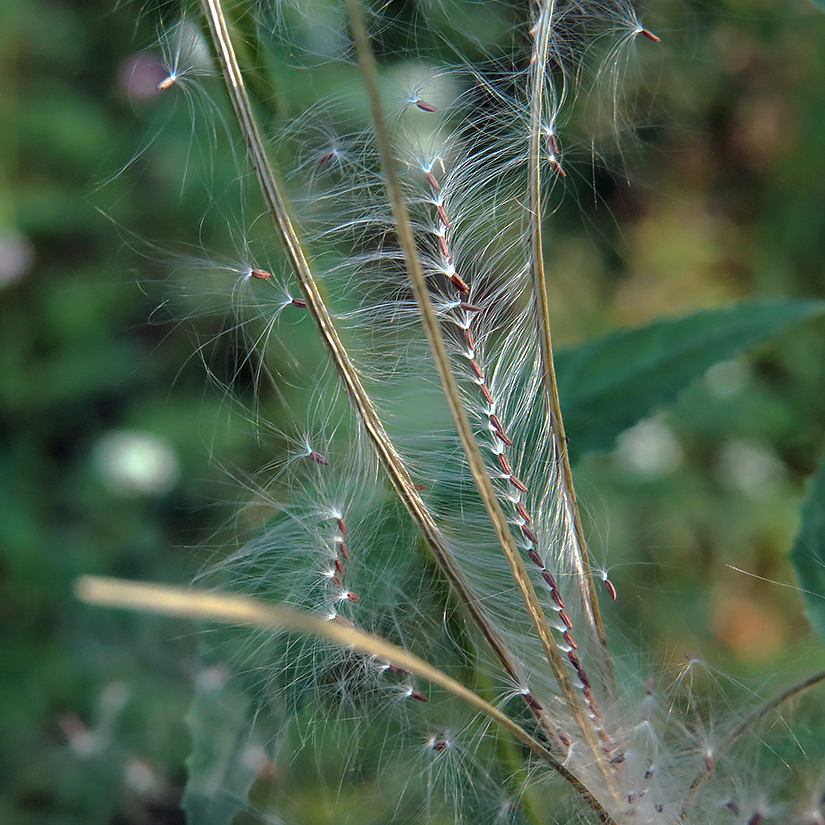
[[609, 384], [219, 777], [808, 553]]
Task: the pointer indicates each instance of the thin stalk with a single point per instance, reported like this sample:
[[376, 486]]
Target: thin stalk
[[538, 82], [432, 330], [385, 450], [745, 726], [190, 603]]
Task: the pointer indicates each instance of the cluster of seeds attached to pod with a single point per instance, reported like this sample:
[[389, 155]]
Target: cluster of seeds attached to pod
[[466, 313]]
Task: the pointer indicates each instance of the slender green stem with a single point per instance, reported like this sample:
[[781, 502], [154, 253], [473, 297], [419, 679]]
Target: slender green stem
[[227, 608], [538, 83], [385, 450], [438, 350]]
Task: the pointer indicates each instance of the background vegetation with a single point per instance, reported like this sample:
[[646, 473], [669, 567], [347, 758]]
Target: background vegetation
[[712, 190]]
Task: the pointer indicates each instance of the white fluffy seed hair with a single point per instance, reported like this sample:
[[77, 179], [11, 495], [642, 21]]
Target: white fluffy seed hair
[[469, 138]]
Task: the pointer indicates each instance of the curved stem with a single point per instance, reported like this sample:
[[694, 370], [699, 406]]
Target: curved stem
[[540, 57], [227, 608], [432, 330], [385, 450]]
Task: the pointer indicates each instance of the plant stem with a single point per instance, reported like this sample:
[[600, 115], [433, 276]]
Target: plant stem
[[435, 340], [537, 108], [385, 450], [227, 608]]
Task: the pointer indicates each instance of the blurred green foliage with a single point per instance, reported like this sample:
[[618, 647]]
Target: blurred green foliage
[[713, 190]]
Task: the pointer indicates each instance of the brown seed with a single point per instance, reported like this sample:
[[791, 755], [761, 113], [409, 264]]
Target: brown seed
[[343, 620], [353, 597], [442, 245], [611, 591], [556, 596], [260, 274], [166, 83], [650, 36], [419, 487], [534, 557], [476, 368], [342, 549], [339, 566], [521, 510], [336, 579], [299, 302], [565, 618], [504, 464], [318, 458], [556, 167], [395, 669], [341, 526], [459, 283], [470, 307], [469, 340], [574, 660], [548, 577], [504, 438], [439, 745], [531, 701], [418, 696], [568, 637], [426, 107], [432, 181], [487, 395], [442, 215], [529, 534], [518, 483]]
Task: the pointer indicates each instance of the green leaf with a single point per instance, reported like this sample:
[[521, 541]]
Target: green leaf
[[220, 778], [609, 384], [808, 553]]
